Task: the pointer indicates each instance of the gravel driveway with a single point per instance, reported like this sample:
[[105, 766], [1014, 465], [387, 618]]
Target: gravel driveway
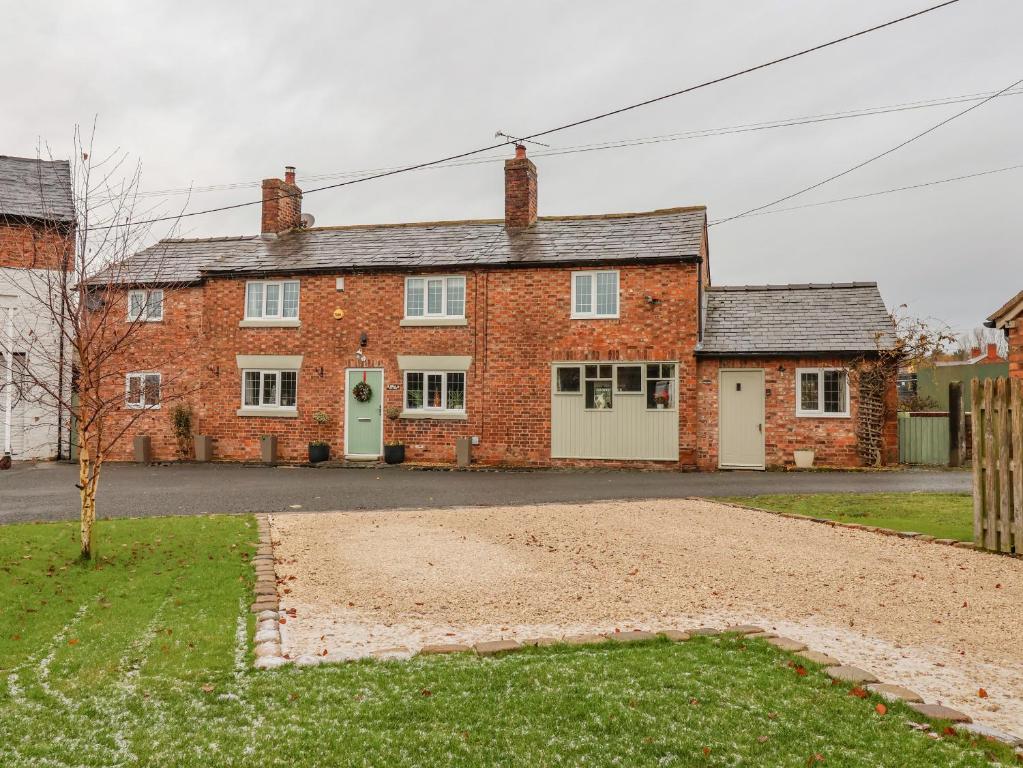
[[937, 619]]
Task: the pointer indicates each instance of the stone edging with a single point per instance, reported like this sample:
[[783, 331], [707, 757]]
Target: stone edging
[[859, 527], [266, 607]]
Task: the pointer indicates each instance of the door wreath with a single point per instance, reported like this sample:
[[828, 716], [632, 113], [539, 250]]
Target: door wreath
[[362, 392]]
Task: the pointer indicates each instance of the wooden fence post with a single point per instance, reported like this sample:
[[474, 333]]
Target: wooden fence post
[[956, 424], [1016, 392], [977, 420]]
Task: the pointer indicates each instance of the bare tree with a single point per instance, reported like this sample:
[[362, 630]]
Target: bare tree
[[912, 342], [100, 300]]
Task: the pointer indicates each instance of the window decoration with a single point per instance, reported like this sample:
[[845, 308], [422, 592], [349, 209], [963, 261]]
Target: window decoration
[[438, 297], [599, 396], [271, 300], [822, 392], [145, 306], [660, 386], [362, 392], [595, 294], [269, 389], [435, 391], [142, 390]]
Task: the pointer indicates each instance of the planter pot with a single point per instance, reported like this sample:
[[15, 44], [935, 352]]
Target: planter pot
[[203, 447], [268, 449], [318, 453], [143, 446], [463, 451], [394, 454], [804, 459], [660, 406]]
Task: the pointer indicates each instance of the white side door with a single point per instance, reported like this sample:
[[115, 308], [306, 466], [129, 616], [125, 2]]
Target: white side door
[[741, 419]]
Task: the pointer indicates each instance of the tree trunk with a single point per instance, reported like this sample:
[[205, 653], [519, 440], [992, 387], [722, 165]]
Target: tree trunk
[[88, 479]]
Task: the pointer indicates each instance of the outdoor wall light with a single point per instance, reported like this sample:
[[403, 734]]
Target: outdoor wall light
[[363, 339], [320, 371]]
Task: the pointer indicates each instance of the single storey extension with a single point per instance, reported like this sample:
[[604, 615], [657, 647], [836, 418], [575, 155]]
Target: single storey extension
[[549, 341]]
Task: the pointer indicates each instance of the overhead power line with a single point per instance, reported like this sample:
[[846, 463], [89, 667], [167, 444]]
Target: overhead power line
[[880, 192], [873, 158], [566, 126], [698, 133]]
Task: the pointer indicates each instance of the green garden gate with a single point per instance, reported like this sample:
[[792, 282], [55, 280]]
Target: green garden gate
[[923, 438]]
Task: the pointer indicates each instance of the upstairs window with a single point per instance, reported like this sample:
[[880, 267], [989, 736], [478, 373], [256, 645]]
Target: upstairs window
[[142, 390], [269, 389], [440, 297], [145, 306], [271, 300], [822, 392], [595, 294]]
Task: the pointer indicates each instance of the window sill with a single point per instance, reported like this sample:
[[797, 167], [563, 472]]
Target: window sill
[[823, 415], [288, 323], [595, 317], [438, 415], [426, 322], [142, 407], [276, 413]]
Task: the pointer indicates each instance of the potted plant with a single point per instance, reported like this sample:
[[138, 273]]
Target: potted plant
[[661, 397], [394, 452], [181, 424], [319, 450], [804, 458]]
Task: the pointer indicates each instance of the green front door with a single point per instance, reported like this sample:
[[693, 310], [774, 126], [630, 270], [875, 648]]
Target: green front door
[[363, 419]]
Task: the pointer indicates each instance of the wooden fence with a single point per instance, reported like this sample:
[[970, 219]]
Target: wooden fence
[[998, 464]]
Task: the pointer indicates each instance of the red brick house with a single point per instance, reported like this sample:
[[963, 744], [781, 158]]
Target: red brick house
[[560, 340], [1010, 319]]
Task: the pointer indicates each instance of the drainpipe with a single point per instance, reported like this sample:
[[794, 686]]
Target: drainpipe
[[8, 352]]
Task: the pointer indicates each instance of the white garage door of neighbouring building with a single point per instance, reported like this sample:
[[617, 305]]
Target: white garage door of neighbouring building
[[741, 419], [12, 435], [625, 411]]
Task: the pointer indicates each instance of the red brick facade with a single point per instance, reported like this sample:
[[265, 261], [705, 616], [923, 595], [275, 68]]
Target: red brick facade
[[26, 244]]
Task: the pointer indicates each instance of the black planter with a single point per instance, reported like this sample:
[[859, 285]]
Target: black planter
[[318, 453], [394, 454]]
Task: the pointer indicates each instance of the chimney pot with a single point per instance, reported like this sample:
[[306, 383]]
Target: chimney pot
[[289, 174], [520, 151], [992, 351]]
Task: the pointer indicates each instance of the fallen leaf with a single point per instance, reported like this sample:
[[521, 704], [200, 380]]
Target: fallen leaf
[[982, 693], [293, 696], [323, 652], [762, 739], [801, 671], [208, 688], [706, 751], [881, 709], [426, 692], [858, 692], [73, 641]]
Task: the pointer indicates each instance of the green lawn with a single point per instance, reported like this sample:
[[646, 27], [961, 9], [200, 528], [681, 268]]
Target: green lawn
[[942, 515], [143, 659]]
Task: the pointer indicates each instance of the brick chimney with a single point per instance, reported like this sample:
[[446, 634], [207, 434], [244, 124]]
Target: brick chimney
[[992, 353], [282, 204], [519, 191]]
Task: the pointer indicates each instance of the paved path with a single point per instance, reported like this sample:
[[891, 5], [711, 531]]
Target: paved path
[[47, 491]]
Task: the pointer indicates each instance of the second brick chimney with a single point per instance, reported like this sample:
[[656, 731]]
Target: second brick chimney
[[519, 190], [282, 204]]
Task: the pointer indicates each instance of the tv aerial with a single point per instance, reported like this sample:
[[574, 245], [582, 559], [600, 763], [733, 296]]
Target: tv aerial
[[503, 135]]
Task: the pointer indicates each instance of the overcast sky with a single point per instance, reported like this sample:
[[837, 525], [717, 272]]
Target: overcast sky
[[223, 93]]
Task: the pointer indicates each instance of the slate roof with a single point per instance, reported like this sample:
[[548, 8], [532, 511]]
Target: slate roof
[[37, 189], [668, 235], [793, 319]]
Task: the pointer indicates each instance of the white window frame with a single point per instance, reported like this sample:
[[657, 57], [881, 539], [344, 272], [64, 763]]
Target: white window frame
[[146, 315], [280, 304], [592, 314], [276, 406], [427, 314], [819, 412], [143, 405], [424, 408]]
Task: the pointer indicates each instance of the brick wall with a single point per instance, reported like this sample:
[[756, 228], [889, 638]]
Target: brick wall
[[510, 342], [1016, 349], [832, 439], [30, 245]]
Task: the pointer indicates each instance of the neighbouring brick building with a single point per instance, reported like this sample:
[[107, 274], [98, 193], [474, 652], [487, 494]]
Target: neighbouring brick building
[[561, 340], [1009, 318], [36, 242]]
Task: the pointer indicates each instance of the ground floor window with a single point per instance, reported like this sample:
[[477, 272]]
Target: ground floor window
[[142, 390], [435, 391], [600, 384], [822, 392], [269, 389], [660, 385]]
